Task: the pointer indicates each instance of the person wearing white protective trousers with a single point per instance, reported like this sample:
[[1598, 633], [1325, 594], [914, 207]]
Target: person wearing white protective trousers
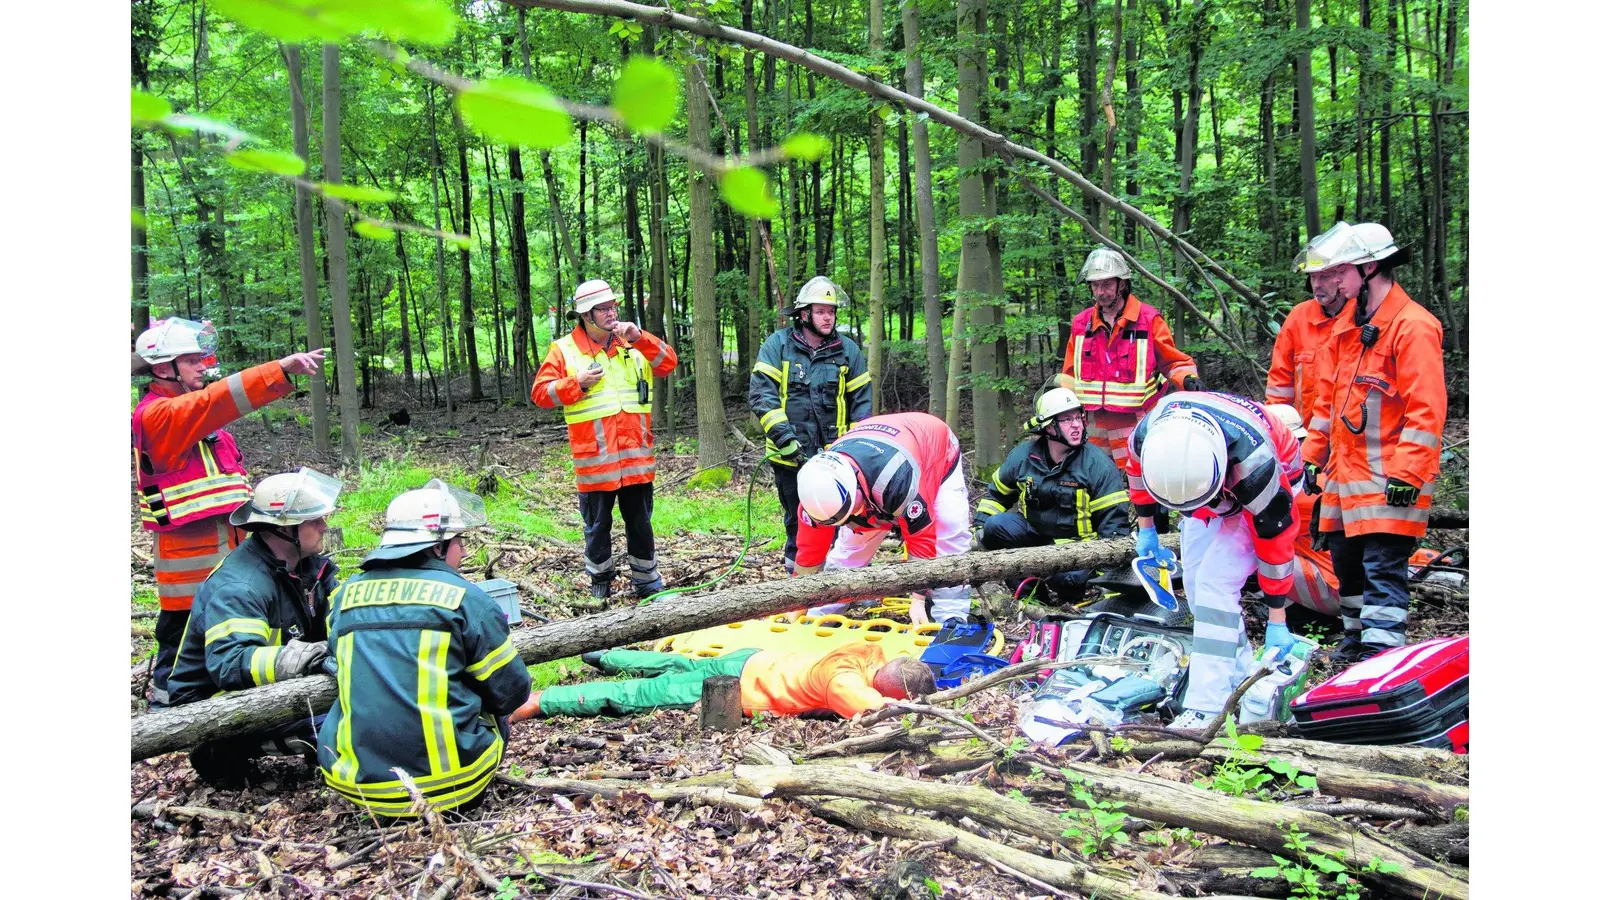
[[1232, 469], [900, 469]]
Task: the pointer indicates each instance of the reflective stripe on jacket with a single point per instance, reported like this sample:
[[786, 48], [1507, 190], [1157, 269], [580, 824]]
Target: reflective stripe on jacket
[[1264, 469], [1379, 413], [187, 467], [243, 615], [609, 425], [1292, 379], [808, 395], [1117, 367], [1039, 488], [903, 459], [425, 664]]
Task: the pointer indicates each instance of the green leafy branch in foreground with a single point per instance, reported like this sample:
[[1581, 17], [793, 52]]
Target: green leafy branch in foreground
[[509, 109]]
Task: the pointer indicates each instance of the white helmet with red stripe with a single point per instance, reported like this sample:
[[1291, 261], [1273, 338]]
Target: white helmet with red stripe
[[289, 499], [829, 488], [590, 294], [434, 512], [1184, 458], [167, 339]]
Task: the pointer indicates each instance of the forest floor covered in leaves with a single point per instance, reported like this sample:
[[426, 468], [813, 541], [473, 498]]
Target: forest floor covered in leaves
[[288, 836]]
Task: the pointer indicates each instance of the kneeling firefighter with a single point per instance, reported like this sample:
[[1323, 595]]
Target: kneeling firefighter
[[1054, 487]]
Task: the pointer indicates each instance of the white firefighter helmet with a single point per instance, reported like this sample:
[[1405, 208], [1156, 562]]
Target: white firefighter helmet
[[828, 488], [590, 294], [1346, 244], [1290, 417], [167, 339], [819, 291], [421, 518], [1055, 401], [1184, 458], [1103, 263], [289, 499]]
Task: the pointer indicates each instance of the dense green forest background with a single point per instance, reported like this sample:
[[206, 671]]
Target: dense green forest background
[[1243, 127]]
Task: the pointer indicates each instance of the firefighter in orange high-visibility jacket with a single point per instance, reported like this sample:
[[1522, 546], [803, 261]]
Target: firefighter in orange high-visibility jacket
[[1119, 351], [1375, 430], [600, 377], [1292, 378], [189, 472]]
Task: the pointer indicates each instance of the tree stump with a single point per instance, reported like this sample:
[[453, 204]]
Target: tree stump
[[719, 703]]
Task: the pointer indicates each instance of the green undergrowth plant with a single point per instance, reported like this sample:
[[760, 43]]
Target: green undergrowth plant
[[1240, 774], [1098, 825], [1313, 875]]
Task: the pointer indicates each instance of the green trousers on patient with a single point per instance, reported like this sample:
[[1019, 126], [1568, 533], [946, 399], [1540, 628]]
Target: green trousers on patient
[[673, 681]]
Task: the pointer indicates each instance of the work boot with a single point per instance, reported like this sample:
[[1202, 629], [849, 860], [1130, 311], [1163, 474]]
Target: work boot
[[641, 591], [219, 764], [600, 590], [1352, 650], [592, 658]]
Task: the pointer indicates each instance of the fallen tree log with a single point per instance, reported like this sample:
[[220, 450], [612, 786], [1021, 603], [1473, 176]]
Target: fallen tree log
[[1446, 843], [1339, 780], [1055, 872], [1428, 764], [181, 727], [1258, 824]]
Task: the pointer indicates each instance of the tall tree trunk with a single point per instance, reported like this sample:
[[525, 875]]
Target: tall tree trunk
[[438, 256], [469, 320], [141, 253], [902, 221], [338, 264], [712, 425], [971, 29], [308, 252], [494, 282], [1088, 47], [927, 226], [1059, 289], [755, 303], [405, 299], [1132, 120], [656, 309], [875, 335], [1437, 108], [559, 220], [1385, 162], [1110, 113], [1308, 125]]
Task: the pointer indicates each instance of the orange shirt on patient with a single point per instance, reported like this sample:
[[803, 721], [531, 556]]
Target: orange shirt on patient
[[788, 684]]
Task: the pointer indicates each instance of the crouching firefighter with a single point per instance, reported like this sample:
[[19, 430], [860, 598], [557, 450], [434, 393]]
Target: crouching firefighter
[[425, 665], [1232, 469], [600, 376], [809, 385], [260, 618], [903, 470], [1054, 487], [190, 472]]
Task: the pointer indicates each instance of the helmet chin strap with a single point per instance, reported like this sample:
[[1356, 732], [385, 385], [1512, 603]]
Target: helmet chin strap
[[1364, 315]]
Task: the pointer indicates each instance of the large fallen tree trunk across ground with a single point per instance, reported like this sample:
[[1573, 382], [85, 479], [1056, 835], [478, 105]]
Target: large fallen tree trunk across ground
[[181, 727]]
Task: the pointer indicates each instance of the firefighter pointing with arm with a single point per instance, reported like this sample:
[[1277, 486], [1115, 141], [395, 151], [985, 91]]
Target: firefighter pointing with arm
[[809, 385], [1375, 430], [599, 376], [190, 473]]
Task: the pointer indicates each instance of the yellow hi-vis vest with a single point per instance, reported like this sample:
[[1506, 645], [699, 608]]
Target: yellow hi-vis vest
[[625, 386]]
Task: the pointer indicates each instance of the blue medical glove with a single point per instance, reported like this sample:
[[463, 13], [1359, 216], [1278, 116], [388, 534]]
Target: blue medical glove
[[1148, 542], [1279, 639]]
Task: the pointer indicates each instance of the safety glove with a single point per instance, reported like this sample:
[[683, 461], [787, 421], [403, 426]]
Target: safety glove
[[1279, 639], [790, 450], [1312, 471], [1193, 383], [1401, 494], [299, 658]]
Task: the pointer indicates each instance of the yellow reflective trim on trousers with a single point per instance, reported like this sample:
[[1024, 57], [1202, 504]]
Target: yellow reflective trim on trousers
[[346, 765], [433, 683], [858, 382], [394, 789], [264, 665], [492, 663], [1081, 503], [256, 627], [768, 370], [773, 417], [1108, 501]]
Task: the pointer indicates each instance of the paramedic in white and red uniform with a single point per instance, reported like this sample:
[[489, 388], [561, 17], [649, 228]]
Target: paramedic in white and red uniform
[[899, 469], [1233, 470]]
